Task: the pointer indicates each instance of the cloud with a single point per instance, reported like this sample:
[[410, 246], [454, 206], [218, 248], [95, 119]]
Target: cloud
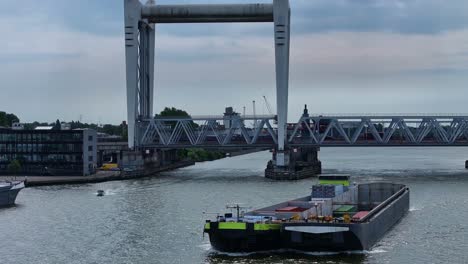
[[400, 16], [378, 53], [53, 67], [335, 53], [48, 72], [319, 16], [356, 69]]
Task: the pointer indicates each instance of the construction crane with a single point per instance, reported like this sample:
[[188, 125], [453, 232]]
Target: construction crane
[[269, 109], [254, 115], [268, 105]]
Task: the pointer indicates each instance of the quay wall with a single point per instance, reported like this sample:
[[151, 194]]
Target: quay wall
[[100, 176]]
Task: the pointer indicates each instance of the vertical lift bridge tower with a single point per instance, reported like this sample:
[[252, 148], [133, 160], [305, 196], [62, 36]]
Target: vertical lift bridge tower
[[140, 21]]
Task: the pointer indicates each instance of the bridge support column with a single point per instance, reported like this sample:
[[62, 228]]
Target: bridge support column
[[139, 59], [282, 19], [303, 163]]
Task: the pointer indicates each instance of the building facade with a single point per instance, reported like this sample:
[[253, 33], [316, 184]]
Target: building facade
[[48, 152]]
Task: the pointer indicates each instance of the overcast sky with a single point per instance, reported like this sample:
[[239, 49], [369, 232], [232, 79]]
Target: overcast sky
[[65, 58]]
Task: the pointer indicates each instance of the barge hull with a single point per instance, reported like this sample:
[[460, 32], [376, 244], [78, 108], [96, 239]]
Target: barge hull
[[379, 207], [243, 239], [359, 237], [371, 232]]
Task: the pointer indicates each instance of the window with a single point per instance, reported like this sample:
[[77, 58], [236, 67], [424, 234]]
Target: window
[[90, 158], [90, 138], [90, 148]]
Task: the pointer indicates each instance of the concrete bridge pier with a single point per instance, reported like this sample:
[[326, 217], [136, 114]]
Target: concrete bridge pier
[[301, 163], [151, 161]]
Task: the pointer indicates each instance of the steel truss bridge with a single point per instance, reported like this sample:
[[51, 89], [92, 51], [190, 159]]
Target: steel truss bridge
[[313, 131], [145, 132]]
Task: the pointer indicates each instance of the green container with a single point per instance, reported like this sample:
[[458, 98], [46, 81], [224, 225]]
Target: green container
[[345, 209]]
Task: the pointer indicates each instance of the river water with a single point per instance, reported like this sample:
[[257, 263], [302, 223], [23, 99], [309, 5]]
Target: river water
[[160, 220]]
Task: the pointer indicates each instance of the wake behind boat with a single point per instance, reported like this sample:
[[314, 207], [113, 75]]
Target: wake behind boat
[[336, 216], [8, 192]]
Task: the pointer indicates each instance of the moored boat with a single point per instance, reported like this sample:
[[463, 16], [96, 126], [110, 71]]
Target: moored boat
[[8, 192], [337, 216]]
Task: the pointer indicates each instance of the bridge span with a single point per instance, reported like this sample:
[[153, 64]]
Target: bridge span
[[309, 131], [295, 145]]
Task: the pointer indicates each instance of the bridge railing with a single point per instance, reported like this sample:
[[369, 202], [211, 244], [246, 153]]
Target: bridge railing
[[317, 130]]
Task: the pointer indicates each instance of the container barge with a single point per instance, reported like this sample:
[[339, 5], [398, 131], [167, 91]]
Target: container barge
[[337, 216]]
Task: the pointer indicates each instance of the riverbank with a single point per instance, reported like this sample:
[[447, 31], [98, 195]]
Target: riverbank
[[100, 176]]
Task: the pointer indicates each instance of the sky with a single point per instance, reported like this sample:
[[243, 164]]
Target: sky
[[65, 59]]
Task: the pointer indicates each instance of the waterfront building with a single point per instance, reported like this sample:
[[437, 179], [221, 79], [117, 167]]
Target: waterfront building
[[48, 152]]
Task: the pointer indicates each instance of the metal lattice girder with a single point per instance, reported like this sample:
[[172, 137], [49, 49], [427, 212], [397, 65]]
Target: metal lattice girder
[[413, 130], [271, 131], [334, 124], [176, 131], [398, 124], [457, 129], [303, 123], [154, 131], [316, 131]]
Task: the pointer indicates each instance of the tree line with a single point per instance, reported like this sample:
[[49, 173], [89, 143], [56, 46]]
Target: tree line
[[7, 120]]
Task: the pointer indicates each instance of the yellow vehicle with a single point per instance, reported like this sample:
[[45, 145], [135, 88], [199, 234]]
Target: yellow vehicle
[[109, 166]]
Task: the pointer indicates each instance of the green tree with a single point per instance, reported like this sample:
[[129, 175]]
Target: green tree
[[14, 167], [7, 119], [124, 131], [174, 112], [57, 125], [110, 129]]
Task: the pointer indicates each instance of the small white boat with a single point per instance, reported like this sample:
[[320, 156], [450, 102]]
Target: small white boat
[[8, 192]]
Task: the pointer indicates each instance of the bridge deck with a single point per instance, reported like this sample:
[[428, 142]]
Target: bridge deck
[[313, 131]]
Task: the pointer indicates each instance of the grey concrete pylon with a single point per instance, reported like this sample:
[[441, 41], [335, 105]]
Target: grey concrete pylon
[[139, 60], [132, 18], [282, 21]]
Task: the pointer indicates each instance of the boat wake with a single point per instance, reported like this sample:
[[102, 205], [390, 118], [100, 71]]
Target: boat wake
[[377, 251], [205, 246], [108, 192], [208, 247], [111, 192]]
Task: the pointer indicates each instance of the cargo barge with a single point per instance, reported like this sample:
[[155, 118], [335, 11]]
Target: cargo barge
[[337, 216]]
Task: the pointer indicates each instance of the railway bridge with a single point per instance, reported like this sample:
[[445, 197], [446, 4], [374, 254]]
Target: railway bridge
[[294, 145]]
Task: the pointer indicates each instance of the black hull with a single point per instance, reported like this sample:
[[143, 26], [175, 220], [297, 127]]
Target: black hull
[[240, 241], [246, 240], [341, 241]]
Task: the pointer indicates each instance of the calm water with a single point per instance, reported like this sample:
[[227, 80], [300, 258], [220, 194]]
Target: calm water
[[160, 220]]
